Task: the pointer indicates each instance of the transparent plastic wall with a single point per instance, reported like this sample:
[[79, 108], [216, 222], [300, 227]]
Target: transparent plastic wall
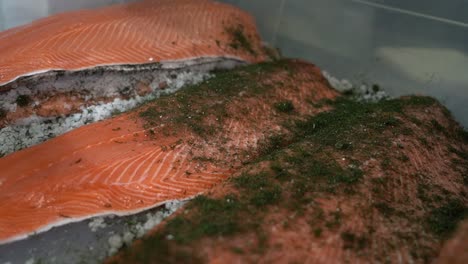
[[18, 12], [407, 47]]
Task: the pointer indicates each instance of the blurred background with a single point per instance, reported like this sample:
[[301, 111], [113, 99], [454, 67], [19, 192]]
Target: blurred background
[[407, 47], [18, 12]]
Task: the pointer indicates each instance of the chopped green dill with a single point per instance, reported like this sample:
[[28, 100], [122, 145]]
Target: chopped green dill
[[240, 40], [3, 113], [443, 220], [284, 107], [23, 100]]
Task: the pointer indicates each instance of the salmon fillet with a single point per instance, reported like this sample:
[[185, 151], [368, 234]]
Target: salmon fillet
[[364, 182], [147, 31], [71, 63], [173, 148]]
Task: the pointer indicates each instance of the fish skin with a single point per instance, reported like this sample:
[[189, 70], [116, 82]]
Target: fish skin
[[121, 166], [141, 32]]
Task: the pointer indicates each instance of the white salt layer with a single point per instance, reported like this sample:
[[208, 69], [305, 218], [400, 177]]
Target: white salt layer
[[138, 230], [34, 129]]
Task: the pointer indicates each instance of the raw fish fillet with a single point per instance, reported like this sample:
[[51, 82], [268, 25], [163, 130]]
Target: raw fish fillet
[[140, 32], [173, 148]]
